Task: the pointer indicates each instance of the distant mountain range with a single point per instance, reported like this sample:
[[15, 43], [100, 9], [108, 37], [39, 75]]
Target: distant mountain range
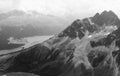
[[19, 24], [88, 47]]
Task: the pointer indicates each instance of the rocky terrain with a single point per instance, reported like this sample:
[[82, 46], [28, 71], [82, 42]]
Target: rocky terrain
[[88, 47]]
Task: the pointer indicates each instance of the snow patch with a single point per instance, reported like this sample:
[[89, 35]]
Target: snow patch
[[28, 41]]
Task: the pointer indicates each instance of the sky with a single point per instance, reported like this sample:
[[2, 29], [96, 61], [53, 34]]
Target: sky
[[81, 8]]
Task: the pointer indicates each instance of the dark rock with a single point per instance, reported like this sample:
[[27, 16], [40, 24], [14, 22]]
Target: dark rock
[[106, 17]]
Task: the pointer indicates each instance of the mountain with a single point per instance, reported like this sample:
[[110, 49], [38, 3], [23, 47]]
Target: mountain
[[85, 48], [106, 17], [20, 24]]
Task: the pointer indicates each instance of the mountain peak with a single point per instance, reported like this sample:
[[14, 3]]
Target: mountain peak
[[92, 24], [106, 17], [109, 13]]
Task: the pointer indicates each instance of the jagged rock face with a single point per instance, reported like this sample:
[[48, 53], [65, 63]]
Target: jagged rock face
[[83, 49], [107, 18], [78, 28]]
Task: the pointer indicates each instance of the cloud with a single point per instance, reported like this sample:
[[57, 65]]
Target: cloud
[[6, 5], [44, 6], [81, 8]]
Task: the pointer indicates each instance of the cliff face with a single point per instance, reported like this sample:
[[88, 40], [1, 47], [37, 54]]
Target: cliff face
[[85, 48], [106, 17]]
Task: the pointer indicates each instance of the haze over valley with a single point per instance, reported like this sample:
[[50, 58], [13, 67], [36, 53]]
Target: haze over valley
[[19, 24]]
